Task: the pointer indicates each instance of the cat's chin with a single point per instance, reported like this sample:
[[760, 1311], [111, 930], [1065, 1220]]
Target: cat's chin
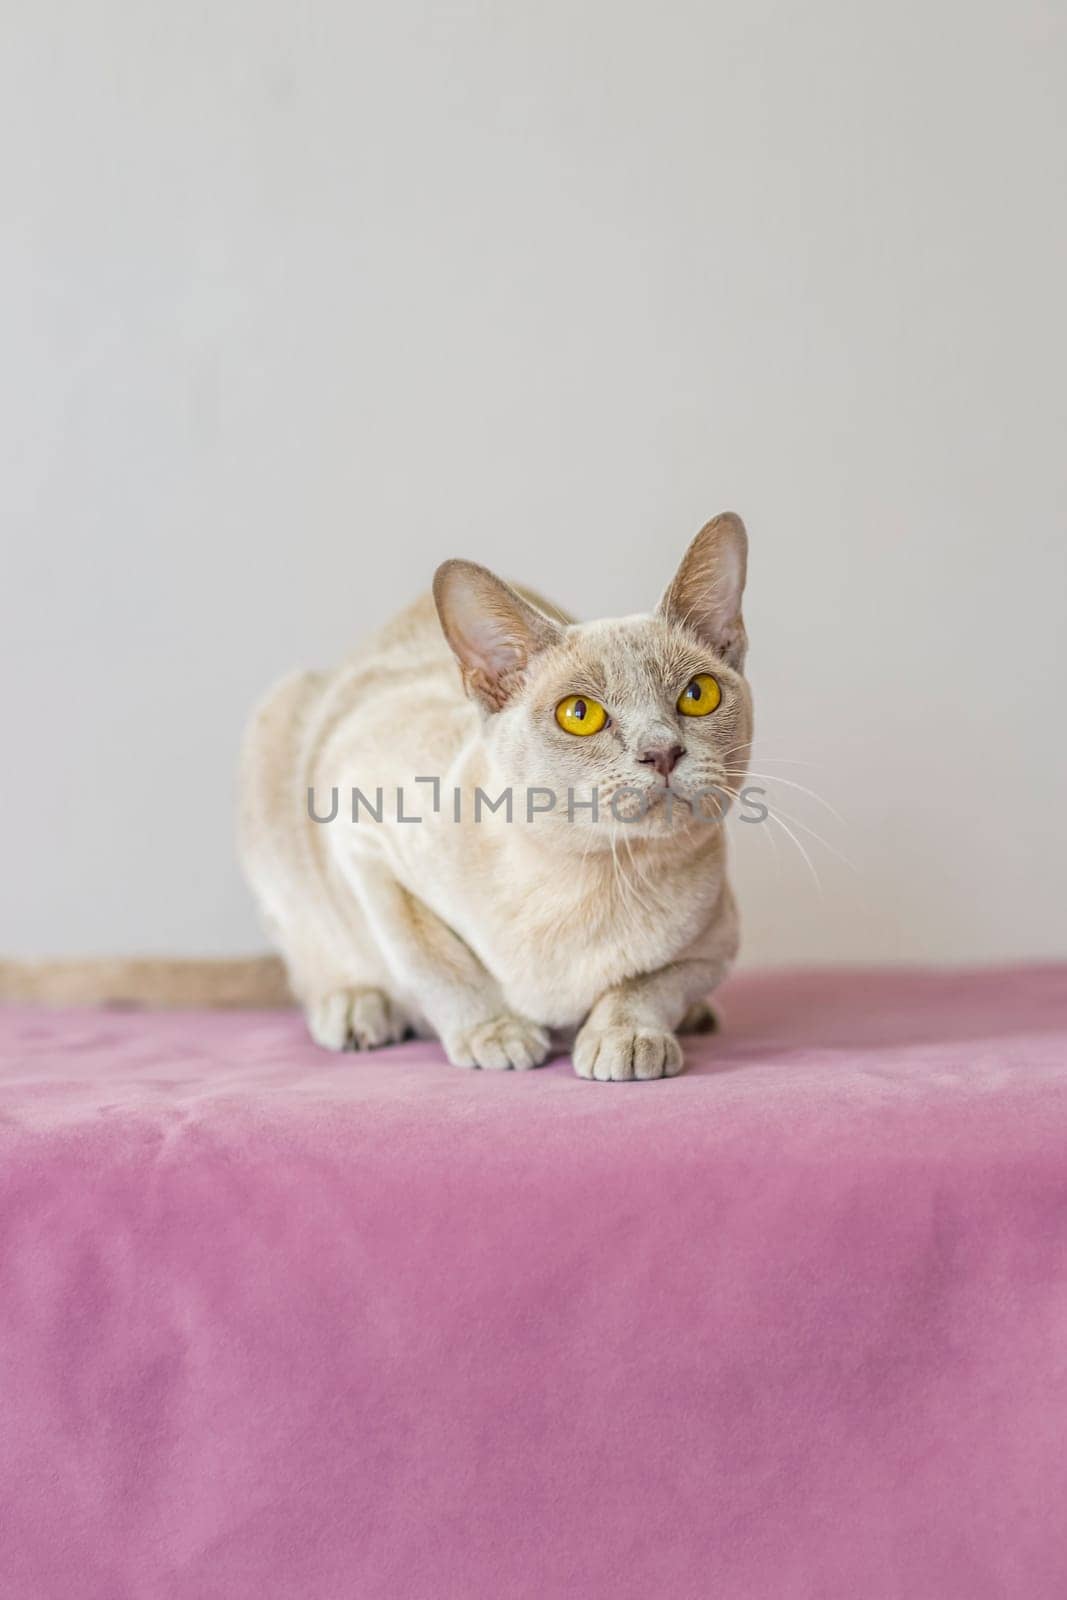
[[664, 804], [666, 816], [661, 794]]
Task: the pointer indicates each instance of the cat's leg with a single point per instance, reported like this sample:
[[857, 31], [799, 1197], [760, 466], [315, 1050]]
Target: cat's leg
[[334, 967], [440, 976], [631, 1031], [338, 976]]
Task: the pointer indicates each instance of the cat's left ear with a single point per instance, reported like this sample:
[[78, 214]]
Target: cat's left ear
[[493, 632], [705, 593]]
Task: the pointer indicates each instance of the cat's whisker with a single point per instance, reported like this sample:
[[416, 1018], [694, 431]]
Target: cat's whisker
[[616, 876], [806, 827], [778, 812], [773, 816], [639, 875], [649, 894], [760, 755], [810, 864], [769, 834], [590, 841], [774, 850], [787, 761], [627, 890], [814, 834], [772, 777]]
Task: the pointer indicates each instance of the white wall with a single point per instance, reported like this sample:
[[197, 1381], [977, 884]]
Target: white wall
[[299, 299]]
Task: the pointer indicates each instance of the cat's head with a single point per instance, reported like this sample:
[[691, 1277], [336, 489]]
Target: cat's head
[[633, 708]]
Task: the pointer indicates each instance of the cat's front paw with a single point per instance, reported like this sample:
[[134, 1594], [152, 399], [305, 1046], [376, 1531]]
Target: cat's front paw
[[619, 1055], [503, 1042], [354, 1019]]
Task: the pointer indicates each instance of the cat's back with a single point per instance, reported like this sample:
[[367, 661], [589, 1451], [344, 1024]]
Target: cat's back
[[306, 712], [392, 704], [397, 691], [411, 639]]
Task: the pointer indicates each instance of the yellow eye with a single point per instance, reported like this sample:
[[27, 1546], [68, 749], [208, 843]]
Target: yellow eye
[[700, 696], [579, 714]]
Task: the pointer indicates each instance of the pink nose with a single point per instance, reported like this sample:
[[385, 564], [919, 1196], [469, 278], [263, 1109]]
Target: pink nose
[[664, 757]]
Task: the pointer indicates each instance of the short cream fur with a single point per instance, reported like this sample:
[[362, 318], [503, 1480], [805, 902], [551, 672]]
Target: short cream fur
[[505, 939]]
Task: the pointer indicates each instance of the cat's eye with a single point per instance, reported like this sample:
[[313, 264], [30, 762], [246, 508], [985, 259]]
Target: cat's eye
[[700, 696], [579, 714]]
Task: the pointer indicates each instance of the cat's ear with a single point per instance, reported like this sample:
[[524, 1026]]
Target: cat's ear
[[705, 593], [494, 633]]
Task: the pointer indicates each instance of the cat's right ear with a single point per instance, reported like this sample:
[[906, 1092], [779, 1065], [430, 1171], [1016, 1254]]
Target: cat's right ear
[[494, 633], [705, 593]]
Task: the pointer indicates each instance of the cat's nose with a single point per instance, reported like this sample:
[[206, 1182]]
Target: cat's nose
[[664, 757]]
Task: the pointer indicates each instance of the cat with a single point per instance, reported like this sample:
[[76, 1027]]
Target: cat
[[599, 913]]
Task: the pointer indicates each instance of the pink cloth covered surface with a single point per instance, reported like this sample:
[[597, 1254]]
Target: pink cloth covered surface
[[275, 1323]]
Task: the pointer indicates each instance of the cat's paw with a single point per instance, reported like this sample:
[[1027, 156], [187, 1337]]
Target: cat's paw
[[700, 1018], [503, 1042], [354, 1019], [618, 1055]]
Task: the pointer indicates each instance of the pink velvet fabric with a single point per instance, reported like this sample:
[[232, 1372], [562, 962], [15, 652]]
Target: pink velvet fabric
[[280, 1324]]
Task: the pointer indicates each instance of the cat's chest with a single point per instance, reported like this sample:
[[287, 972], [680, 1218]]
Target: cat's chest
[[556, 948], [555, 932], [569, 973]]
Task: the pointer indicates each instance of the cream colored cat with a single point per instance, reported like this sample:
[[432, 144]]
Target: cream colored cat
[[504, 936]]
